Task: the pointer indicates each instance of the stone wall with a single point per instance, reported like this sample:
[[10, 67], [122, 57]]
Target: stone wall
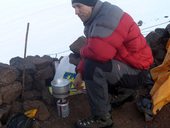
[[24, 86]]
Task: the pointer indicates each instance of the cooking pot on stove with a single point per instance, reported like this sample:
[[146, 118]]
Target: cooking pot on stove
[[60, 88]]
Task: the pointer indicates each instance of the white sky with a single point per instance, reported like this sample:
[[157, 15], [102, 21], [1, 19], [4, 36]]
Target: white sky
[[53, 25]]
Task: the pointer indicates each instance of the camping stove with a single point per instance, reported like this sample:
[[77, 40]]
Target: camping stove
[[60, 90]]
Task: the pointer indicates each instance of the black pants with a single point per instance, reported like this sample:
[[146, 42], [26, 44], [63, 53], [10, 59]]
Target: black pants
[[98, 77]]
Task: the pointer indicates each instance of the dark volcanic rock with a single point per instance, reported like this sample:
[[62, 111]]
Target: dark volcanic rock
[[7, 74]]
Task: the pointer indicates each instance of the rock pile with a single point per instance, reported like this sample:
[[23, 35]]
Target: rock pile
[[16, 96], [157, 40]]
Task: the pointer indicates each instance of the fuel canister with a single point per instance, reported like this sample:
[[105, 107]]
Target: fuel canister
[[63, 108]]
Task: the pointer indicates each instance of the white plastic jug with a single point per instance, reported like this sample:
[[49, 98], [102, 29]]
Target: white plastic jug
[[64, 69]]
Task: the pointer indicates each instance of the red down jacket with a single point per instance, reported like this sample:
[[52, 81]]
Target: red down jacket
[[126, 44]]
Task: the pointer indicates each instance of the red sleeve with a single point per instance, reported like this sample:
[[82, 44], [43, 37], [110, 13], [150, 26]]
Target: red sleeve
[[80, 67], [98, 49]]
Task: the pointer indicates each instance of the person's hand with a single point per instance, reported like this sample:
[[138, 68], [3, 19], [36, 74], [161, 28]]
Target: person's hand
[[78, 81]]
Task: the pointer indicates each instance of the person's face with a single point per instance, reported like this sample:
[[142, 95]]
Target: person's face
[[83, 11]]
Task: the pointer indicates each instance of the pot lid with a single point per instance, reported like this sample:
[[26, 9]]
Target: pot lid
[[60, 82]]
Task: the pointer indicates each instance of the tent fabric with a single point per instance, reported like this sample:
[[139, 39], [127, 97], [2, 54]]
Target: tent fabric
[[161, 90]]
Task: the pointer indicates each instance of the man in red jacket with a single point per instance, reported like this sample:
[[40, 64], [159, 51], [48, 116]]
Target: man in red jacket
[[116, 54]]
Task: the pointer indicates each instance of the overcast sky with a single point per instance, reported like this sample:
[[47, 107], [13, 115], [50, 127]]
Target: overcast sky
[[53, 25]]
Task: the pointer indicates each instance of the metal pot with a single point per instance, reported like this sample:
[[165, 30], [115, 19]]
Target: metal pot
[[60, 88]]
